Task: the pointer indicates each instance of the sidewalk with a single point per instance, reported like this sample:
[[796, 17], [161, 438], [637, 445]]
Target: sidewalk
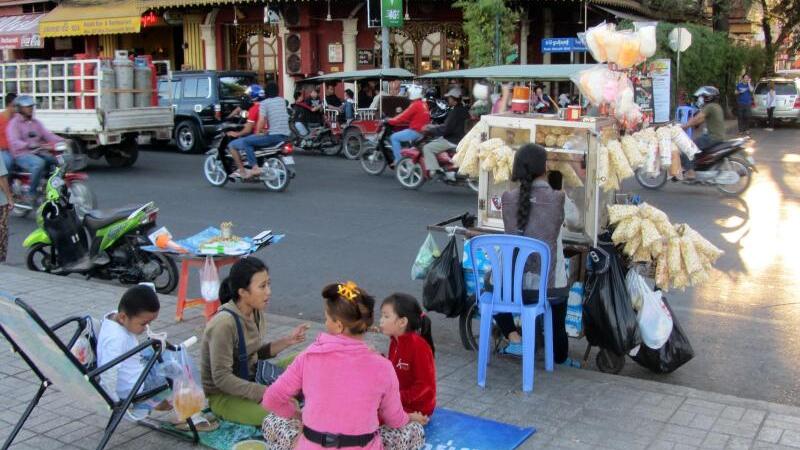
[[570, 408]]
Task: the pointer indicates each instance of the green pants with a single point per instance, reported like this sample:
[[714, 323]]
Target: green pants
[[242, 410]]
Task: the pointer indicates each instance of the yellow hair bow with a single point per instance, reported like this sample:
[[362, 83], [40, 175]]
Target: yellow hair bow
[[349, 291]]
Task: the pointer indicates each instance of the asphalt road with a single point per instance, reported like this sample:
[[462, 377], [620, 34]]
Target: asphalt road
[[342, 224]]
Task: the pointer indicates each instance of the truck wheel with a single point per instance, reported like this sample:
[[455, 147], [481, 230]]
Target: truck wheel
[[187, 137], [123, 155]]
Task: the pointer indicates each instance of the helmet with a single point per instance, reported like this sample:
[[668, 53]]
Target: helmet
[[24, 101], [255, 92], [414, 92], [709, 93], [480, 91]]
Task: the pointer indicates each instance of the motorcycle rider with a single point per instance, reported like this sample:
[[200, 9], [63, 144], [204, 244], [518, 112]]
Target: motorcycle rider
[[272, 111], [256, 94], [416, 116], [26, 137], [712, 116], [449, 134]]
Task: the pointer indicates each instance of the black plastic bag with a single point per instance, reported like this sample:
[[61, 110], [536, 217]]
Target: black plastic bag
[[609, 319], [675, 353], [444, 290]]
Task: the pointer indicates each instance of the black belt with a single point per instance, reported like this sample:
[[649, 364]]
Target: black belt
[[329, 440]]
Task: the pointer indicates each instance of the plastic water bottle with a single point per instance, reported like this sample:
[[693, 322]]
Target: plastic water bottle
[[574, 322]]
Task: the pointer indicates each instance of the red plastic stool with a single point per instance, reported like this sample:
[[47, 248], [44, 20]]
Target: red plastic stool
[[210, 308]]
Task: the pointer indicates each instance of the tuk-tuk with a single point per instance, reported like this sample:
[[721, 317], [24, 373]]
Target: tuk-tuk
[[365, 121]]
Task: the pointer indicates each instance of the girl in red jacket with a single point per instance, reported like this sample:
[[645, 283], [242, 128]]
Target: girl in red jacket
[[411, 351]]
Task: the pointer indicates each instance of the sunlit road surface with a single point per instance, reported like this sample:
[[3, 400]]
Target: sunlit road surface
[[342, 224]]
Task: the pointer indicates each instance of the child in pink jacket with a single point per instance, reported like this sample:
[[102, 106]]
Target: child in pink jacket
[[349, 389]]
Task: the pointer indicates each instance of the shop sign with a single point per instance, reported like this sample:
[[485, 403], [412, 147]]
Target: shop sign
[[365, 57], [10, 42], [88, 27], [660, 73], [335, 53], [562, 45], [392, 13]]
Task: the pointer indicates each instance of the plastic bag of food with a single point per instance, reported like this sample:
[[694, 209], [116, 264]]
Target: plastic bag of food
[[188, 398], [209, 280], [597, 38], [427, 254], [84, 347], [592, 81], [629, 53]]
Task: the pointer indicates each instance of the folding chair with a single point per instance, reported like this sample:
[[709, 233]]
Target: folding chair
[[54, 364]]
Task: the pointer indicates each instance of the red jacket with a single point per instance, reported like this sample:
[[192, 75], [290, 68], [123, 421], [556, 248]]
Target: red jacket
[[416, 116], [412, 359]]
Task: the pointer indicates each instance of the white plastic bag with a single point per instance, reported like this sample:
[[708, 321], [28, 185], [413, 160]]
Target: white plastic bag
[[427, 253], [637, 288], [209, 280], [83, 349], [655, 321]]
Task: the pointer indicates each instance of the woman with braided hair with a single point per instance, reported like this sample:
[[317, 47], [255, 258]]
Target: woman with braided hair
[[536, 210]]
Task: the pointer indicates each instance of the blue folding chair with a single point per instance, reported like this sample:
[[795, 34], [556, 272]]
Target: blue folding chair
[[683, 114], [508, 254]]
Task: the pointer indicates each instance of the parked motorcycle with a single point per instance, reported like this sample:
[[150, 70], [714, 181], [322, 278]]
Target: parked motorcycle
[[728, 166], [80, 195], [325, 138], [105, 244], [276, 162], [412, 173]]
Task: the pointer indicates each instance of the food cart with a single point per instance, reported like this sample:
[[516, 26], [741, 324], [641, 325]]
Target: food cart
[[367, 120]]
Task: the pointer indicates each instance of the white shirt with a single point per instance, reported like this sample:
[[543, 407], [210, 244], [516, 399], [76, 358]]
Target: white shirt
[[771, 98], [113, 341]]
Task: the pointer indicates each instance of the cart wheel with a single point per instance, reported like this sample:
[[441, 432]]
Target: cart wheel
[[468, 326], [609, 362]]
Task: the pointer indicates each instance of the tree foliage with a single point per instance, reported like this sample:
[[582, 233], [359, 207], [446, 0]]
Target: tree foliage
[[479, 18], [781, 23]]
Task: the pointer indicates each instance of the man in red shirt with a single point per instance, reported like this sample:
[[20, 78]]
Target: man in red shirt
[[416, 116], [5, 117], [256, 94]]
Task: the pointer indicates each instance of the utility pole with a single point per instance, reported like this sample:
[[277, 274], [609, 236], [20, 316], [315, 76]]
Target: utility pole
[[385, 47]]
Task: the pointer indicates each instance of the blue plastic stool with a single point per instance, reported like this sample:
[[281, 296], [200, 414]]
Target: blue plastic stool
[[683, 114], [506, 297]]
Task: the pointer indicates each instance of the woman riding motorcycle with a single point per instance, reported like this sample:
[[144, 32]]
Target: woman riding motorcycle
[[416, 116]]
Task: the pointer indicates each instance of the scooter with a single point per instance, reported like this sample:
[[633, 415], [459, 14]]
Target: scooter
[[276, 162], [728, 166], [377, 153], [105, 244], [325, 138], [412, 173], [80, 195]]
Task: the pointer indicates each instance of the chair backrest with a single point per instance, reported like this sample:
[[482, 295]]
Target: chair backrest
[[508, 254], [37, 342]]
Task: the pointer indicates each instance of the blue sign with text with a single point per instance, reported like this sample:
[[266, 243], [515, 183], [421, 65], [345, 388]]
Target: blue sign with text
[[562, 45]]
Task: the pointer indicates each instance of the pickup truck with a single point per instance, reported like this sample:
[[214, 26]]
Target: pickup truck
[[69, 96]]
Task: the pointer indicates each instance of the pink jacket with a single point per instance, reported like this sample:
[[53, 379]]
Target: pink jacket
[[348, 389]]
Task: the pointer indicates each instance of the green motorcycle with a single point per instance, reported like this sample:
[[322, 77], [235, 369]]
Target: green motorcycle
[[105, 244]]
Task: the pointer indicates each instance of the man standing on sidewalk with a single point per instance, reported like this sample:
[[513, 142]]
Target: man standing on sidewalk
[[744, 97], [6, 205]]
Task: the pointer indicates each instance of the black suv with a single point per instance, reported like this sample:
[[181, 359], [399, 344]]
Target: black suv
[[201, 99]]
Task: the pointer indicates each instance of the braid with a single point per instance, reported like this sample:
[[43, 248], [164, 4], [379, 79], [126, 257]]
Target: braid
[[524, 209]]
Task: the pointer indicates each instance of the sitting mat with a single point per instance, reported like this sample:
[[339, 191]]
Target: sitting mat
[[224, 437], [451, 429]]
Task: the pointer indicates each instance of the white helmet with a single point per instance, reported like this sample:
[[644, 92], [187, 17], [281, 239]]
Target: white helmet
[[414, 92], [480, 91]]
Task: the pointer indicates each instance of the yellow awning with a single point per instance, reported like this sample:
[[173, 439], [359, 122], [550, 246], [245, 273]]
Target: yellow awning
[[91, 17]]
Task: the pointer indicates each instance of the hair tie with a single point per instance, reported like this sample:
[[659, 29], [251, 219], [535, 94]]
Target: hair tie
[[348, 291]]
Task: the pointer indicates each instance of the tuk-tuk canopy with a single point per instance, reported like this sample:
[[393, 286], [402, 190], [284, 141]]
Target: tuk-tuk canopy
[[385, 74], [514, 72]]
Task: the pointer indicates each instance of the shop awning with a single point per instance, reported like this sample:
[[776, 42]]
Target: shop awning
[[514, 72], [354, 75], [91, 17], [20, 32], [622, 14]]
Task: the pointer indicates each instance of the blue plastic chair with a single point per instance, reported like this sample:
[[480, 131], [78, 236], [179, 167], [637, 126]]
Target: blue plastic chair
[[506, 297], [683, 114]]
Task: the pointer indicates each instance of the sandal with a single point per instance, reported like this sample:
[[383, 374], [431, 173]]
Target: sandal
[[203, 423]]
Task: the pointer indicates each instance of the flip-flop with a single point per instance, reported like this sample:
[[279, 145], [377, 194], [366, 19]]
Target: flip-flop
[[201, 423]]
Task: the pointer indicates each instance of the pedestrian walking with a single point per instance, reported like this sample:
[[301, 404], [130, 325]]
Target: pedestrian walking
[[770, 104], [744, 97], [6, 205]]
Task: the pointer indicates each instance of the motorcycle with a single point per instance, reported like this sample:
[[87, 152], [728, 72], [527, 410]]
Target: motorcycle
[[105, 244], [412, 173], [276, 162], [80, 195], [377, 151], [728, 166], [325, 138]]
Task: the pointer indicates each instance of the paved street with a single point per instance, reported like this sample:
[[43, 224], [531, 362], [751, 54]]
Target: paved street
[[342, 224]]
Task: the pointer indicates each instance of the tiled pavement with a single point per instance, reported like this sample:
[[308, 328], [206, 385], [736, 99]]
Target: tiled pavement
[[571, 408]]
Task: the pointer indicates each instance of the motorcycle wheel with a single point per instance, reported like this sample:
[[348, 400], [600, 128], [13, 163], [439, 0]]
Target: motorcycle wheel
[[82, 198], [473, 184], [409, 174], [167, 279], [38, 258], [331, 150], [648, 181], [372, 161], [215, 171], [745, 177], [276, 175], [352, 144]]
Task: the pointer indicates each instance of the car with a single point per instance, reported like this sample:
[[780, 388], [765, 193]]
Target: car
[[201, 100], [787, 101]]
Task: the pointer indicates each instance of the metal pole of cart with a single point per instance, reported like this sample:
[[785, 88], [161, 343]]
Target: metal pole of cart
[[596, 194]]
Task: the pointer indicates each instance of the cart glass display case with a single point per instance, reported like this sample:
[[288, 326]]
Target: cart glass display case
[[571, 150]]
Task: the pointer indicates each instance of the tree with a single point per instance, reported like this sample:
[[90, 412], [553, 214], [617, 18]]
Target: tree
[[780, 20], [479, 22]]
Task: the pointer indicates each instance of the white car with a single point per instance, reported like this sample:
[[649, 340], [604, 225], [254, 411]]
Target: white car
[[787, 99]]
